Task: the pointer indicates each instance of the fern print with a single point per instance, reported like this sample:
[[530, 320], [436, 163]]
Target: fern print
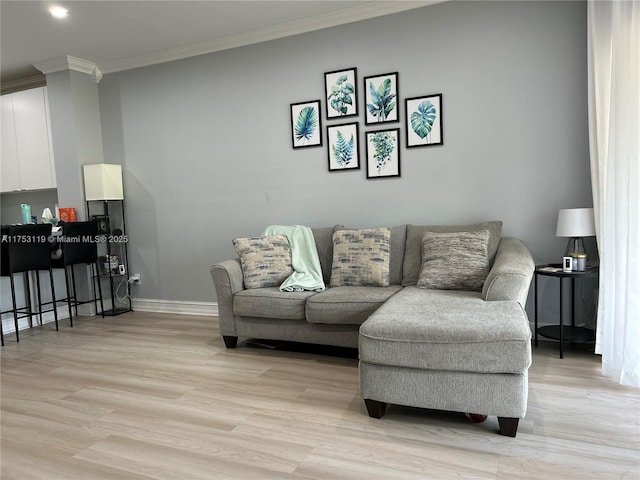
[[343, 150]]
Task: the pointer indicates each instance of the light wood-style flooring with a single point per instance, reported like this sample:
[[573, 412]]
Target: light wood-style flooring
[[157, 396]]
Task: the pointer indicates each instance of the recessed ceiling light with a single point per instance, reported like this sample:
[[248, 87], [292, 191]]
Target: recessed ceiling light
[[58, 12]]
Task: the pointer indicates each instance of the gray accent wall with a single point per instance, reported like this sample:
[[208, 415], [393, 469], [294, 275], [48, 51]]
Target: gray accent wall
[[205, 142]]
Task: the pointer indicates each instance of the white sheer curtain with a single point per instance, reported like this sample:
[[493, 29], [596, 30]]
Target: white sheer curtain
[[614, 137]]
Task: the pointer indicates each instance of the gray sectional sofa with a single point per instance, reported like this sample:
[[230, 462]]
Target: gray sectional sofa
[[443, 349]]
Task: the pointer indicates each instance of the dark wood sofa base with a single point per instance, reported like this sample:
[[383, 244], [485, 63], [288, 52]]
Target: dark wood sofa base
[[375, 409], [508, 426], [230, 341]]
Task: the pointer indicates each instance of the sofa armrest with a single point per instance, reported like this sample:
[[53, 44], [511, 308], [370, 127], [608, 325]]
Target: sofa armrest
[[510, 276], [227, 280]]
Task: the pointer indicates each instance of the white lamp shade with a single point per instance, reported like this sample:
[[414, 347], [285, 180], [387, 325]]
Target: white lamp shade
[[576, 222], [103, 181]]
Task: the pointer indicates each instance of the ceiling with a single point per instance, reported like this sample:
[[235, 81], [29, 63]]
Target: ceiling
[[119, 35]]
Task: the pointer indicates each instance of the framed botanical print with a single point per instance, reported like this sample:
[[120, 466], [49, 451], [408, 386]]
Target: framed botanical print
[[306, 126], [424, 121], [342, 147], [381, 98], [340, 93], [383, 153]]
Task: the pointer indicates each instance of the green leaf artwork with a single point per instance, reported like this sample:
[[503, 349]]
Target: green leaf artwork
[[340, 95], [306, 124], [422, 120], [384, 144], [382, 100], [343, 150]]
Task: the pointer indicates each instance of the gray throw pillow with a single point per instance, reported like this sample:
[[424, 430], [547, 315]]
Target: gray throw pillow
[[413, 251], [361, 258], [454, 261], [265, 261], [396, 251]]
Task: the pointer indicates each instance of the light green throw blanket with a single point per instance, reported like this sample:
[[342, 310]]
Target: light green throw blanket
[[307, 273]]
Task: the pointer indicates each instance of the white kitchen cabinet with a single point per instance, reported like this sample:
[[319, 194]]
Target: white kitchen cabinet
[[10, 174], [27, 156]]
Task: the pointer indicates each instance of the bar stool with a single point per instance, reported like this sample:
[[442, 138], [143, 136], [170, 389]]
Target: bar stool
[[29, 250], [79, 246]]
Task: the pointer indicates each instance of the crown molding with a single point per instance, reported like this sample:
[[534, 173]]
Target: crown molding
[[340, 17], [68, 62]]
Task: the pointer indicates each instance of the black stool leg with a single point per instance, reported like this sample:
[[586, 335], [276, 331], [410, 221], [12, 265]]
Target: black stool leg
[[94, 268], [15, 306], [100, 290], [74, 288], [66, 281], [28, 299], [39, 298], [93, 287], [53, 299]]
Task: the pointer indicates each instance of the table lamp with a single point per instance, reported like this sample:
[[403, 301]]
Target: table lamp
[[575, 223]]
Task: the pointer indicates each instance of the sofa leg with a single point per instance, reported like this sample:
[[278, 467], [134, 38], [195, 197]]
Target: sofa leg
[[508, 426], [375, 408], [229, 341]]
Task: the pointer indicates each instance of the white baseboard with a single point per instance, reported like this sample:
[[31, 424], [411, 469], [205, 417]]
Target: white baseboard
[[175, 306], [140, 304]]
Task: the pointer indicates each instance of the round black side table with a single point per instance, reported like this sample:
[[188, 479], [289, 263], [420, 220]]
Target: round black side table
[[562, 332]]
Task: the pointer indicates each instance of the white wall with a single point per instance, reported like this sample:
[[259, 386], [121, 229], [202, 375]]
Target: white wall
[[76, 133], [205, 142]]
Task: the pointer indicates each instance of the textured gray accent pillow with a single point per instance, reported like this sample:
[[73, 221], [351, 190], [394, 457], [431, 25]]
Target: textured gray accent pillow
[[397, 245], [413, 251], [265, 261], [454, 261], [361, 258]]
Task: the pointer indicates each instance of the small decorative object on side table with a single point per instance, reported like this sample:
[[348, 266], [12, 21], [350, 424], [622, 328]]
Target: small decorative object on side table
[[562, 332]]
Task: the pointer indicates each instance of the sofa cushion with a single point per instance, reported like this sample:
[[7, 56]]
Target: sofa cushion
[[396, 257], [270, 302], [266, 261], [347, 305], [454, 261], [413, 251], [447, 330], [361, 258]]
